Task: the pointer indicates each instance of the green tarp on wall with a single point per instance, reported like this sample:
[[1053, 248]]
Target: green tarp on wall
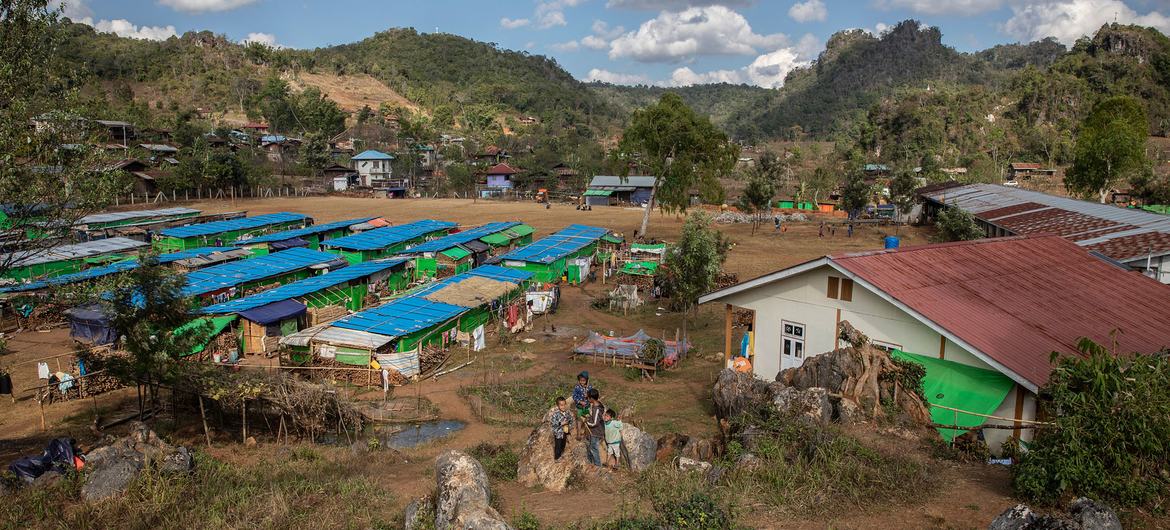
[[218, 324], [640, 268], [959, 386]]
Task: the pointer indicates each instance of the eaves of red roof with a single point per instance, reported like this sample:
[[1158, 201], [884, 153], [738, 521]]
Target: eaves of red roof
[[502, 169], [1018, 299]]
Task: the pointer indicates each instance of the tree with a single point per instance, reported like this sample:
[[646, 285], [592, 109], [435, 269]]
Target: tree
[[319, 114], [1112, 431], [681, 148], [902, 193], [757, 196], [1111, 147], [274, 104], [47, 172], [694, 262], [146, 306], [855, 194], [315, 153], [956, 224], [364, 114]]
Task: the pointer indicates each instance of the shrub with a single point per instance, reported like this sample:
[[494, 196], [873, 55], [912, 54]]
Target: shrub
[[500, 461], [1111, 440]]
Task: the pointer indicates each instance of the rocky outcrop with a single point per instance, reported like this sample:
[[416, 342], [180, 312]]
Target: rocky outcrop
[[1083, 514], [737, 392], [641, 448], [463, 498], [113, 467], [537, 467], [812, 403]]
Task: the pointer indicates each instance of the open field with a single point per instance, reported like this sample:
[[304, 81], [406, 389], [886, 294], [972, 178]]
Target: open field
[[964, 496]]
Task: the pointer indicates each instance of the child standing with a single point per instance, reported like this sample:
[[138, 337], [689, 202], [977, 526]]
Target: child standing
[[581, 399], [613, 438], [561, 422], [595, 422]]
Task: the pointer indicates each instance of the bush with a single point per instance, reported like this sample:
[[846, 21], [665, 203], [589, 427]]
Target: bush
[[525, 520], [500, 461], [699, 511], [1111, 440]]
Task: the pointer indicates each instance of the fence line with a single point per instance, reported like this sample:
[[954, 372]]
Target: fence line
[[233, 193]]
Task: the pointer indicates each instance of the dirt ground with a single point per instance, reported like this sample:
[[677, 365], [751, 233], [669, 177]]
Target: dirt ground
[[969, 496]]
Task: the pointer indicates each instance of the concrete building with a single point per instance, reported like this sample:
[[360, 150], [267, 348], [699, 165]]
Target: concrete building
[[373, 168], [1000, 305]]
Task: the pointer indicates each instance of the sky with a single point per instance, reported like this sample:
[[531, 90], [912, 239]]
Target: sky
[[659, 42]]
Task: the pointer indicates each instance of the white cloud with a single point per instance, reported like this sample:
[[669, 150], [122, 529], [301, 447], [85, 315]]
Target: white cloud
[[266, 39], [570, 46], [673, 5], [602, 29], [605, 76], [671, 37], [770, 69], [551, 13], [124, 28], [204, 6], [513, 23], [594, 42], [810, 11], [75, 10], [943, 7], [1069, 20], [686, 77]]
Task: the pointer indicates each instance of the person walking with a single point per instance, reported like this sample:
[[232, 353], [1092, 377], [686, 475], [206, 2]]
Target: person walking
[[850, 229], [821, 230], [596, 424]]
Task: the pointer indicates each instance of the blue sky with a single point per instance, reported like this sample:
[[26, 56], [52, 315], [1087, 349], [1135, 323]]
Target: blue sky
[[665, 42]]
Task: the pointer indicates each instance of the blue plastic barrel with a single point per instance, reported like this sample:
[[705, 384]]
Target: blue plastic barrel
[[891, 242]]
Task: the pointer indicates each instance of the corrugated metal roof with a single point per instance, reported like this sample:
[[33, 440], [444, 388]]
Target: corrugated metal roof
[[610, 181], [556, 246], [113, 268], [1018, 299], [471, 234], [401, 317], [137, 214], [70, 252], [244, 223], [303, 287], [339, 336], [388, 236], [1124, 234], [238, 272], [302, 232], [371, 154]]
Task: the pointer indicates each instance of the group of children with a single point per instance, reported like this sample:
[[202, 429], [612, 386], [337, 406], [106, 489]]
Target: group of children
[[595, 424]]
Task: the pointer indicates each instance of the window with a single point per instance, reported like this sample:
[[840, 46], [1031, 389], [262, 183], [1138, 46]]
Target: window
[[840, 289], [792, 339]]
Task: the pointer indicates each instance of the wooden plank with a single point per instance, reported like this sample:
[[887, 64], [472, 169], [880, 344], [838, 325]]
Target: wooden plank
[[728, 315]]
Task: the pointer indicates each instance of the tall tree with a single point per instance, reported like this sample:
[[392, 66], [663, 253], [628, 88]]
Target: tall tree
[[49, 176], [757, 196], [695, 261], [855, 192], [902, 193], [956, 224], [1111, 147], [684, 150]]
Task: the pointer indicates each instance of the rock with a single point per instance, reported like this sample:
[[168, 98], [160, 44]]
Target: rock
[[699, 449], [748, 462], [847, 411], [113, 467], [47, 480], [1017, 517], [537, 467], [812, 403], [1092, 515], [736, 392], [463, 500], [688, 464], [250, 442], [670, 446], [715, 474], [641, 448], [411, 515]]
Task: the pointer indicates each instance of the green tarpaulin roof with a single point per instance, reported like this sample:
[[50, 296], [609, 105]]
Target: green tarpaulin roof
[[598, 193], [218, 324], [498, 240], [959, 386], [455, 253], [521, 230], [639, 246], [610, 238], [641, 268]]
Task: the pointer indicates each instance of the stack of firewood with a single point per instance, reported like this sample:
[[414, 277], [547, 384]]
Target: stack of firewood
[[430, 358], [726, 279], [322, 315]]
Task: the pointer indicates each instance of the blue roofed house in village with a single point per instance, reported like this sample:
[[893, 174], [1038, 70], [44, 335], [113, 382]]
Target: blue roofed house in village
[[374, 170]]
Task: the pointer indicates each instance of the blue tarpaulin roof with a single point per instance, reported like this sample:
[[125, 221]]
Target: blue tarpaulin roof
[[113, 268], [401, 317], [303, 287], [243, 223], [302, 232], [274, 312], [286, 244], [471, 234], [238, 272], [491, 272], [388, 236], [371, 154], [556, 246]]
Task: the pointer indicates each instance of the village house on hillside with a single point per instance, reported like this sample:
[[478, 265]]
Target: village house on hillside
[[500, 177], [373, 168], [993, 309], [1027, 170], [607, 189], [1136, 238]]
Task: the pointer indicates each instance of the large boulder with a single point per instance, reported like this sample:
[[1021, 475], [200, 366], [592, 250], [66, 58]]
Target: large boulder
[[812, 403], [1083, 514], [670, 446], [1092, 515], [737, 392], [463, 498], [111, 468], [537, 467], [641, 448]]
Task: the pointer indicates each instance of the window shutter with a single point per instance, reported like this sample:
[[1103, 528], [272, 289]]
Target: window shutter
[[846, 289], [832, 292]]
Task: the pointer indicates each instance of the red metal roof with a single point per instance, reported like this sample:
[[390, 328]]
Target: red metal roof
[[1018, 299], [502, 169], [1025, 165]]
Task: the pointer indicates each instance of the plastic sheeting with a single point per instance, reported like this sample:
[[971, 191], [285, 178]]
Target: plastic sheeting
[[285, 244], [627, 347], [89, 324], [959, 386], [274, 312], [406, 363]]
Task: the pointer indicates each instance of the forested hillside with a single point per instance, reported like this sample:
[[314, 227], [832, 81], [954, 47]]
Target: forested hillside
[[720, 102]]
